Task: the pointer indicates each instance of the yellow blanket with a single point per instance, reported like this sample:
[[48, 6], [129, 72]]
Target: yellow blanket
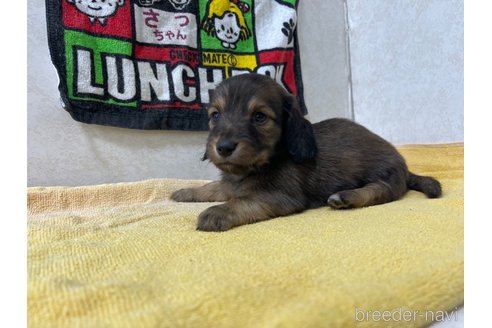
[[124, 255]]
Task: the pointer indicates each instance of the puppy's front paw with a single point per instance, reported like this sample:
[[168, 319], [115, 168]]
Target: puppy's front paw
[[183, 195], [215, 218]]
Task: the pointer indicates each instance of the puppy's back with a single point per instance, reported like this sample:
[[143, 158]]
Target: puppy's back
[[349, 138]]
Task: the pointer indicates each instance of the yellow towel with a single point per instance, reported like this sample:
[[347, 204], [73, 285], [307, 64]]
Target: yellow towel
[[124, 255]]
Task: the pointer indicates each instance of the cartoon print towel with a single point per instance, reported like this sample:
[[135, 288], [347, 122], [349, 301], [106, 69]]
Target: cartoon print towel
[[151, 64]]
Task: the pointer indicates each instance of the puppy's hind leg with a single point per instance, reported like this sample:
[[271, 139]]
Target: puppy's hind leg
[[374, 193]]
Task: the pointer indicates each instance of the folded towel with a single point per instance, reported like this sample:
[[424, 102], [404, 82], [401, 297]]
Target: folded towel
[[125, 255], [151, 64]]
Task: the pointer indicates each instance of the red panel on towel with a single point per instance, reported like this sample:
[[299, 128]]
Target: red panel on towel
[[116, 24]]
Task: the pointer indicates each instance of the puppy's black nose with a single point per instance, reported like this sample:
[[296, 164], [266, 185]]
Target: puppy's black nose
[[225, 147]]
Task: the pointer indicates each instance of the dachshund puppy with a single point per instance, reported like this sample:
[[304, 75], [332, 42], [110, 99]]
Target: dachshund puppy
[[274, 162]]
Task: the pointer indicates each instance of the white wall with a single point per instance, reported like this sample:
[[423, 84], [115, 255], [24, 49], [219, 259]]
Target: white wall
[[409, 92], [325, 69], [407, 68]]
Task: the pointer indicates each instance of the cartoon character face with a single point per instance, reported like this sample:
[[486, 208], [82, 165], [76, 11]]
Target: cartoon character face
[[98, 9], [179, 4], [225, 20], [227, 29]]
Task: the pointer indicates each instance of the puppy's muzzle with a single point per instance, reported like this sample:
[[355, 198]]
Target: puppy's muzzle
[[225, 147]]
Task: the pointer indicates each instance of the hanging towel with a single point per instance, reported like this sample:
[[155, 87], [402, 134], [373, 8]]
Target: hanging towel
[[151, 64]]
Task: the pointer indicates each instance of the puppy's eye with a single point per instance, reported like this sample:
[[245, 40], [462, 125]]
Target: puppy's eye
[[215, 116], [259, 117]]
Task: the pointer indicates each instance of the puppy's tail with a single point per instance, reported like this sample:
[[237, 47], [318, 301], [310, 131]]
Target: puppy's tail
[[428, 185]]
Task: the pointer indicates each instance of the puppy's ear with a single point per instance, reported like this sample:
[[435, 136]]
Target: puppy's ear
[[298, 132]]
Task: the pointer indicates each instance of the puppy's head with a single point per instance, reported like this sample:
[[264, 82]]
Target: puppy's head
[[252, 119]]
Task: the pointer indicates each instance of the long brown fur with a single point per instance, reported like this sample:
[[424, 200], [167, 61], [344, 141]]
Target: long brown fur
[[274, 162]]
